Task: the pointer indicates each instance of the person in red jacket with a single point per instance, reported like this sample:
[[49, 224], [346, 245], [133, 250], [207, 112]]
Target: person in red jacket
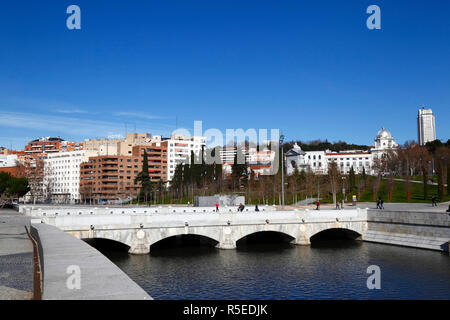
[[318, 205], [217, 207]]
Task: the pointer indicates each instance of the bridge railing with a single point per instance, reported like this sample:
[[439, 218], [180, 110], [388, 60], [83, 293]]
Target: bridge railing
[[38, 211]]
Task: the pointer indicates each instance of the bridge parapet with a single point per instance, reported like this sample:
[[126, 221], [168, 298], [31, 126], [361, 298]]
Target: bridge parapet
[[38, 211]]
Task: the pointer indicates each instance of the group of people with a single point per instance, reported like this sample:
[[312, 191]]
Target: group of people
[[340, 205]]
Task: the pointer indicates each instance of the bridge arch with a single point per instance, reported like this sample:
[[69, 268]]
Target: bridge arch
[[336, 233], [157, 237], [184, 239], [286, 231], [106, 244], [266, 236]]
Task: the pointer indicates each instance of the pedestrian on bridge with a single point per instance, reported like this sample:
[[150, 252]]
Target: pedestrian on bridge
[[433, 201], [217, 207], [381, 203], [337, 205], [318, 205]]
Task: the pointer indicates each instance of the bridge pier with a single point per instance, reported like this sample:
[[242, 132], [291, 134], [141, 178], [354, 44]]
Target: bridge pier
[[302, 241], [226, 245], [140, 243]]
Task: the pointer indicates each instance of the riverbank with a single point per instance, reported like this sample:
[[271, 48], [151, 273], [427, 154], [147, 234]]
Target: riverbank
[[73, 270]]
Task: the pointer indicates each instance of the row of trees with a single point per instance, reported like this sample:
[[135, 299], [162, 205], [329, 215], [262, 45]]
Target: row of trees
[[320, 145], [412, 160]]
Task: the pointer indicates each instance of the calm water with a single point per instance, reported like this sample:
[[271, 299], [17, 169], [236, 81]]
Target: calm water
[[332, 269]]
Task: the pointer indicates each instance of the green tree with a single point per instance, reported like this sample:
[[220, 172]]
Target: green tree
[[12, 187], [143, 178], [364, 175], [352, 179]]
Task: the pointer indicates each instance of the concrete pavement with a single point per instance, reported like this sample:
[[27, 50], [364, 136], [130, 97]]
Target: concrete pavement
[[16, 257], [420, 207]]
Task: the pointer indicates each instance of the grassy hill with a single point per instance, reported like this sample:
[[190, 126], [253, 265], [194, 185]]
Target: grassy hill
[[399, 193]]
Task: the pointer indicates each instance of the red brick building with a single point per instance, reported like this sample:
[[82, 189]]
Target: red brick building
[[107, 178]]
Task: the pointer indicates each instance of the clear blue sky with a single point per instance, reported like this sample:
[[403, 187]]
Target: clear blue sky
[[311, 68]]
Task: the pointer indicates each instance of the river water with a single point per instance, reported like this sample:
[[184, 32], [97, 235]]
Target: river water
[[271, 269]]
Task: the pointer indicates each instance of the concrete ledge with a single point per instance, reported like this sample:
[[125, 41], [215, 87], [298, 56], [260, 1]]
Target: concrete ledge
[[100, 278], [407, 240]]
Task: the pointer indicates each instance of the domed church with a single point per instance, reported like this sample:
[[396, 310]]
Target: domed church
[[383, 142]]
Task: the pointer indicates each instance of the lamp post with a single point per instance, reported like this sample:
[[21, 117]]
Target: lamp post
[[343, 188], [282, 170]]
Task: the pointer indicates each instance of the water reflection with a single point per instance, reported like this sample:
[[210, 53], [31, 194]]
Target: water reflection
[[273, 268]]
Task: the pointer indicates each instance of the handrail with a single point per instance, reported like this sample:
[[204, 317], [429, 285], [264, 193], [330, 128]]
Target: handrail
[[37, 278]]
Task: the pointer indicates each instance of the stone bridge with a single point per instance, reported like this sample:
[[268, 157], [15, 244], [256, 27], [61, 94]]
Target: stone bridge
[[140, 228]]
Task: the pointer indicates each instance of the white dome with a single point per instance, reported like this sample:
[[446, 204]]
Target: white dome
[[383, 134]]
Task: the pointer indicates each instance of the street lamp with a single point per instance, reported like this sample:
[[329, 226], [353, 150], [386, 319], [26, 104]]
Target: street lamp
[[343, 188], [282, 170]]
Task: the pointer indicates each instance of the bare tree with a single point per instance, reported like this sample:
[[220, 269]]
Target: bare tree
[[333, 179], [34, 172]]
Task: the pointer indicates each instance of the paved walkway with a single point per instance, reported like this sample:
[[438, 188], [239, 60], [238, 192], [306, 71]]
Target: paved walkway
[[423, 207], [16, 257]]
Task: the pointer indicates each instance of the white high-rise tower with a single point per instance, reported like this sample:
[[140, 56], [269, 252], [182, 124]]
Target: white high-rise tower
[[426, 129]]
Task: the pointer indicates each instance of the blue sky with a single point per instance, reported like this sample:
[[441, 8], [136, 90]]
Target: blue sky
[[310, 68]]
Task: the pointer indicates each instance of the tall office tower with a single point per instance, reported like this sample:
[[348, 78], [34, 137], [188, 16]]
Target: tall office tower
[[426, 129]]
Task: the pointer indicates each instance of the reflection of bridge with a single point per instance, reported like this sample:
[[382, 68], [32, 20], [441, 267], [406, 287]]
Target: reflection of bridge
[[139, 228]]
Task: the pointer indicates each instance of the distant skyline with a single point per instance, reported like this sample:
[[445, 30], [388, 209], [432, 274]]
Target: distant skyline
[[310, 69]]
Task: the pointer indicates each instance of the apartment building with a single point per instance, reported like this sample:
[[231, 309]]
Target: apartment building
[[62, 175], [261, 162], [42, 146], [426, 127], [179, 150], [10, 163], [119, 147], [110, 178], [8, 160]]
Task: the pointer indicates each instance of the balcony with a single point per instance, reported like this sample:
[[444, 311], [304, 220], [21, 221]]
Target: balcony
[[109, 165]]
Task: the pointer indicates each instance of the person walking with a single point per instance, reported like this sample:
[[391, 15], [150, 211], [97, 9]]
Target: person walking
[[318, 205], [217, 207], [256, 208], [433, 201], [380, 203], [337, 205]]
